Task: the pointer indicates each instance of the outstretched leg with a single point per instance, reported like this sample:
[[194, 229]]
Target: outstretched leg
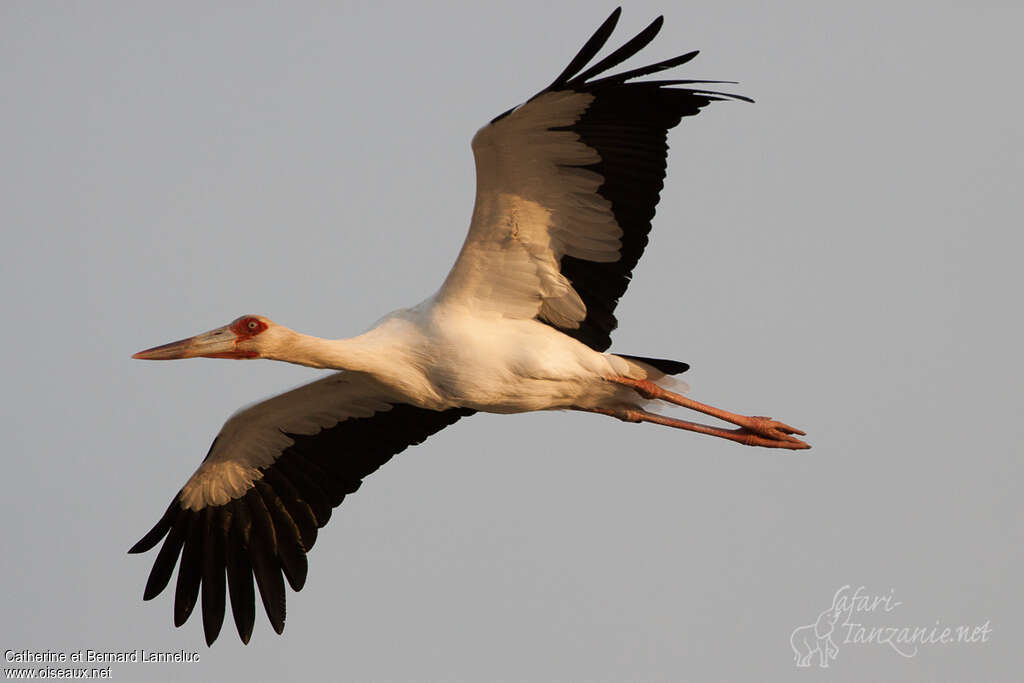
[[754, 430], [742, 435]]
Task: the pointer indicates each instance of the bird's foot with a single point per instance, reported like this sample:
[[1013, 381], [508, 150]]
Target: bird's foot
[[764, 431]]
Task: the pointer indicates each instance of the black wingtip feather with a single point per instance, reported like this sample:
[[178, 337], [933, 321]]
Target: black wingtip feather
[[189, 571], [589, 49], [239, 571], [163, 566], [159, 530], [289, 547], [270, 583], [719, 96], [627, 50], [644, 70], [263, 554], [215, 528]]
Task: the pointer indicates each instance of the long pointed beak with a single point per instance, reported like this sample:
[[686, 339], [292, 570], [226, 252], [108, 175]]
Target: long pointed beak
[[219, 343]]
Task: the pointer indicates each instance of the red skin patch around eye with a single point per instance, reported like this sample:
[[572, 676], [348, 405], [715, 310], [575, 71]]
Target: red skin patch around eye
[[242, 330]]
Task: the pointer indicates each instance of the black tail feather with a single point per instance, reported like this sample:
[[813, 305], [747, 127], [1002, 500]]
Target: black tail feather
[[669, 367]]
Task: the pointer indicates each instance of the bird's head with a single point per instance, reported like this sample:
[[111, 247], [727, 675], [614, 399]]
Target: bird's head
[[250, 336]]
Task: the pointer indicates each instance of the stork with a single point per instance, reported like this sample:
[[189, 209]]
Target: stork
[[567, 185]]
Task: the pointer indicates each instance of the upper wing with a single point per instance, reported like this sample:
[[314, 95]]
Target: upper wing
[[566, 189], [270, 480]]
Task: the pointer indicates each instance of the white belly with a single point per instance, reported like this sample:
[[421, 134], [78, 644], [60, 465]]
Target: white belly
[[508, 366]]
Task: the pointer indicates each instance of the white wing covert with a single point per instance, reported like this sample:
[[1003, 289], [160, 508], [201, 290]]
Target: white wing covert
[[567, 184]]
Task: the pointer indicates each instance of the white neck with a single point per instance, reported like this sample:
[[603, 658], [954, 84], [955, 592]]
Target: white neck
[[314, 352]]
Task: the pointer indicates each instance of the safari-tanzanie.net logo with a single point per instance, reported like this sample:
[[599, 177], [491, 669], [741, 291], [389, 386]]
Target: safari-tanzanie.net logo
[[858, 617]]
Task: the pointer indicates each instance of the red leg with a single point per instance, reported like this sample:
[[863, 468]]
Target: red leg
[[775, 434], [743, 436]]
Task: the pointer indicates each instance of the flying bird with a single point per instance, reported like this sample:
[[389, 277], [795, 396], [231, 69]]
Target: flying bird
[[567, 185]]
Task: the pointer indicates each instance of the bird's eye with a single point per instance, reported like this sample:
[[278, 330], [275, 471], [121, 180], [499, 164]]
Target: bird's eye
[[252, 324]]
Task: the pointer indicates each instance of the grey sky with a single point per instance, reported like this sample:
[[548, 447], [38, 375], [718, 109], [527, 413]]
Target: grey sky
[[842, 255]]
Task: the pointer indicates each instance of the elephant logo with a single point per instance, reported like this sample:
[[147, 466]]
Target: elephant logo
[[817, 638], [844, 622]]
